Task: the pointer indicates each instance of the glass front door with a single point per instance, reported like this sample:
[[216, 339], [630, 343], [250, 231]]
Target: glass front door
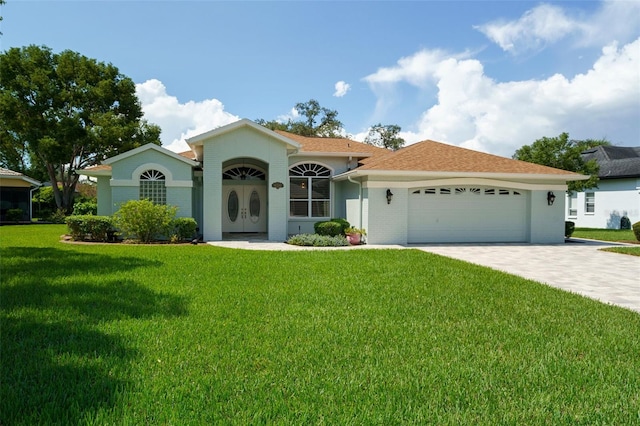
[[244, 208]]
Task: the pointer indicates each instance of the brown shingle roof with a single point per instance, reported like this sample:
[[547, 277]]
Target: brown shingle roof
[[333, 145], [431, 156]]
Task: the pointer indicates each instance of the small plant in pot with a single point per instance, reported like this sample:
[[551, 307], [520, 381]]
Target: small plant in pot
[[354, 235]]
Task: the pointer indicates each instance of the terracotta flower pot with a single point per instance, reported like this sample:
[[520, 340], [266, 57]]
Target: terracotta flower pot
[[354, 239]]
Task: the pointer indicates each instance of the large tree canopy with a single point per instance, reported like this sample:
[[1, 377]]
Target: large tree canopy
[[385, 136], [562, 153], [63, 112], [318, 121]]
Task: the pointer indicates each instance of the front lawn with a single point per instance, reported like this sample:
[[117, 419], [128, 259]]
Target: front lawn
[[121, 334]]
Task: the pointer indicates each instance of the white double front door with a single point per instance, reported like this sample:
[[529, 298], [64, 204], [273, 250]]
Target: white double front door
[[244, 208]]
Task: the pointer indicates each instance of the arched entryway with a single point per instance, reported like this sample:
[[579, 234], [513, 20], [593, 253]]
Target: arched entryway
[[244, 197]]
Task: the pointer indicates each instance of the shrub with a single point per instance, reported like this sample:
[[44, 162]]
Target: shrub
[[85, 208], [57, 216], [636, 230], [569, 227], [89, 227], [183, 228], [316, 240], [342, 222], [328, 228], [625, 223], [143, 220], [14, 215]]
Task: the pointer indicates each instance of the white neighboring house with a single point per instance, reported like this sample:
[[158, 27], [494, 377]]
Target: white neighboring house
[[618, 192]]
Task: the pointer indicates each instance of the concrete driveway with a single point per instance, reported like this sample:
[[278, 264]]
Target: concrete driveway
[[577, 266]]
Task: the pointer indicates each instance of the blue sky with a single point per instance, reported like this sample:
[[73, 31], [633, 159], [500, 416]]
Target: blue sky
[[491, 76]]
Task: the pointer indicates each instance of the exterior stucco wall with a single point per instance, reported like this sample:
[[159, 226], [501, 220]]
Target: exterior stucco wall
[[387, 223], [245, 143], [546, 222], [105, 204], [614, 199], [125, 180]]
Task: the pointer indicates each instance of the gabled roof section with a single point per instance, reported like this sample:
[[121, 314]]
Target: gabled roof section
[[615, 161], [199, 139], [10, 174], [317, 145], [432, 156], [147, 147]]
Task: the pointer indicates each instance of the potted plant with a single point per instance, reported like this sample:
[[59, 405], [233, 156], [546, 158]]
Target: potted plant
[[354, 235]]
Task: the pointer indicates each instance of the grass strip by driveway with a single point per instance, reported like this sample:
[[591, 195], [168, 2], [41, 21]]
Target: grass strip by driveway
[[119, 334], [612, 235]]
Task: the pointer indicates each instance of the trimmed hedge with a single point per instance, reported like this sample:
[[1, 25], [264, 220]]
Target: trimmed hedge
[[636, 230], [331, 228], [14, 215], [183, 228], [316, 240], [89, 227], [569, 227]]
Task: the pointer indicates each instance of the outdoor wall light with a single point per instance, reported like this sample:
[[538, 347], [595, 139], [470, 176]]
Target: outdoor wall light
[[389, 196], [551, 197]]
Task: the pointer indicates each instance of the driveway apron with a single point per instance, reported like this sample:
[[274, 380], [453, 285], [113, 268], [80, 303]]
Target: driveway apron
[[577, 266]]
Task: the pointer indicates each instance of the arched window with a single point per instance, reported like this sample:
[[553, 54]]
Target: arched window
[[310, 190], [152, 187]]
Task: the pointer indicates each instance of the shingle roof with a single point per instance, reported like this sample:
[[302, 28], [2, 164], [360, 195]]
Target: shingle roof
[[615, 161], [334, 145], [7, 172], [432, 156]]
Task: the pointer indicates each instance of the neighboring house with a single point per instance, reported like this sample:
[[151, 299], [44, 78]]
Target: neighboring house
[[618, 191], [16, 192], [244, 177]]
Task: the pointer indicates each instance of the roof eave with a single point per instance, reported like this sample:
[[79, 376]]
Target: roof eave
[[23, 178], [436, 174], [198, 140], [331, 154], [147, 147]]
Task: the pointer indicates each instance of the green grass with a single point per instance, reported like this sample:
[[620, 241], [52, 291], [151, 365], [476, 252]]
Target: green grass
[[121, 334], [615, 235], [612, 235]]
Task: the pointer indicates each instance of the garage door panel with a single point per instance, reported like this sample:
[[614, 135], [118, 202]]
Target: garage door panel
[[467, 217]]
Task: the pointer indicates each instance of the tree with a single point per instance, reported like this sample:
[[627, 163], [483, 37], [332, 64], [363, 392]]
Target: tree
[[63, 112], [562, 153], [385, 136], [318, 121]]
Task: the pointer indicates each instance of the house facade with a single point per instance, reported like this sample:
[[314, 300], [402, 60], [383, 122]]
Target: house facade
[[16, 192], [244, 178], [617, 194]]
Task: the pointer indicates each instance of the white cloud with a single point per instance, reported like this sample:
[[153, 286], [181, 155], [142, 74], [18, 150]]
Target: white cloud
[[547, 24], [342, 88], [179, 121], [538, 26], [476, 112]]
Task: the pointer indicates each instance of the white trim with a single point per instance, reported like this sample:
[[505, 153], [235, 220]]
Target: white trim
[[153, 147], [444, 175], [465, 181], [199, 139], [331, 154]]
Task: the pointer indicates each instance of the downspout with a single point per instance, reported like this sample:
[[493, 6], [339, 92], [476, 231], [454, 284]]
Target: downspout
[[359, 197], [31, 201]]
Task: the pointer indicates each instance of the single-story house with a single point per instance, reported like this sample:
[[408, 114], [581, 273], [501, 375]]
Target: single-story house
[[16, 192], [618, 191], [243, 177]]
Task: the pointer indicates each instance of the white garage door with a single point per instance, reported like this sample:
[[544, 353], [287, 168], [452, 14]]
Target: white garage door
[[467, 214]]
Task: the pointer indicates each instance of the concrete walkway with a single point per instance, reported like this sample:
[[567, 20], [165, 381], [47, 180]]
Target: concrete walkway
[[577, 266]]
